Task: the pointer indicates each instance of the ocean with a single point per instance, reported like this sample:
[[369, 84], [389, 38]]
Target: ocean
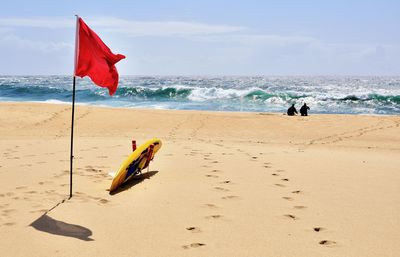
[[329, 95]]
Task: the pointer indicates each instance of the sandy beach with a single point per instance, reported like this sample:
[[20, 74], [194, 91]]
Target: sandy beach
[[223, 184]]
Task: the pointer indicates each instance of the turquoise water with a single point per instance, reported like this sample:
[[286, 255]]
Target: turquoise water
[[349, 95]]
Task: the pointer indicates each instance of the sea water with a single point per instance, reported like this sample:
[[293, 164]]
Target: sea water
[[346, 95]]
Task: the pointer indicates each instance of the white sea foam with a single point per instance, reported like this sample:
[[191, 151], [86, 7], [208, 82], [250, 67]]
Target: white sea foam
[[54, 101], [204, 94]]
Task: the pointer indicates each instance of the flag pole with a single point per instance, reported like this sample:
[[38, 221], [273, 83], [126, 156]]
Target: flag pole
[[73, 106], [72, 138]]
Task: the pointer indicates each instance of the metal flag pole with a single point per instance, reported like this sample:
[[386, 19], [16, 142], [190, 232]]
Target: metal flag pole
[[72, 139], [73, 106]]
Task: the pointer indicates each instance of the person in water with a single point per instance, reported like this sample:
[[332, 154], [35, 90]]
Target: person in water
[[291, 111], [303, 110]]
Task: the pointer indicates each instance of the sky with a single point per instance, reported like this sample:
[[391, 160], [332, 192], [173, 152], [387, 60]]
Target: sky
[[207, 37]]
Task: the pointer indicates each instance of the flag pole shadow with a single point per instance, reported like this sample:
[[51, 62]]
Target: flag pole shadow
[[134, 181], [47, 224]]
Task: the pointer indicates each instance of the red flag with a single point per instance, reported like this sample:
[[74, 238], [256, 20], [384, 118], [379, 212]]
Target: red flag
[[94, 59]]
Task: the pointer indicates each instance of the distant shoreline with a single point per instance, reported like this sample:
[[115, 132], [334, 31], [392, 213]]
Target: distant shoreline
[[195, 111]]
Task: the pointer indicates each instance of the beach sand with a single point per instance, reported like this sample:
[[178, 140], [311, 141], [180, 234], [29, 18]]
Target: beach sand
[[223, 184]]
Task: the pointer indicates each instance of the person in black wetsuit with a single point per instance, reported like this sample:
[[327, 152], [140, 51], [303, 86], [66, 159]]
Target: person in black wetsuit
[[291, 111], [303, 110]]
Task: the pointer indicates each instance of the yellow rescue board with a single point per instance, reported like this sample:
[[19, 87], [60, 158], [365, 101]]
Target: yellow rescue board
[[136, 161]]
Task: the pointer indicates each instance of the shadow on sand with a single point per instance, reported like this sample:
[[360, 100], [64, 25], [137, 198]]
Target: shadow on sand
[[134, 181], [49, 225]]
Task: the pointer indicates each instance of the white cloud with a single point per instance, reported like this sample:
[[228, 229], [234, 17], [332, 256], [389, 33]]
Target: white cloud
[[260, 39], [4, 30], [205, 32], [163, 28], [38, 22], [45, 47], [127, 27]]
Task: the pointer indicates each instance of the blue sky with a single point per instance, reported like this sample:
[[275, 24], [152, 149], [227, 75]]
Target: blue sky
[[207, 37]]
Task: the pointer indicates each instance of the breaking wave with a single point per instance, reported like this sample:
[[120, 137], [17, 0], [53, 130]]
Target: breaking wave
[[365, 95]]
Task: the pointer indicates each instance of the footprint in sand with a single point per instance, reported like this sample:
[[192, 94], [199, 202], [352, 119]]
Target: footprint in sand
[[9, 224], [21, 187], [90, 168], [64, 173], [274, 174], [288, 198], [2, 206], [221, 189], [194, 229], [103, 201], [212, 176], [8, 211], [296, 192], [45, 182], [230, 197], [25, 165], [285, 179], [215, 171], [225, 182], [299, 207], [211, 206], [290, 216], [215, 216], [279, 185], [327, 242], [318, 229], [193, 245], [279, 170]]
